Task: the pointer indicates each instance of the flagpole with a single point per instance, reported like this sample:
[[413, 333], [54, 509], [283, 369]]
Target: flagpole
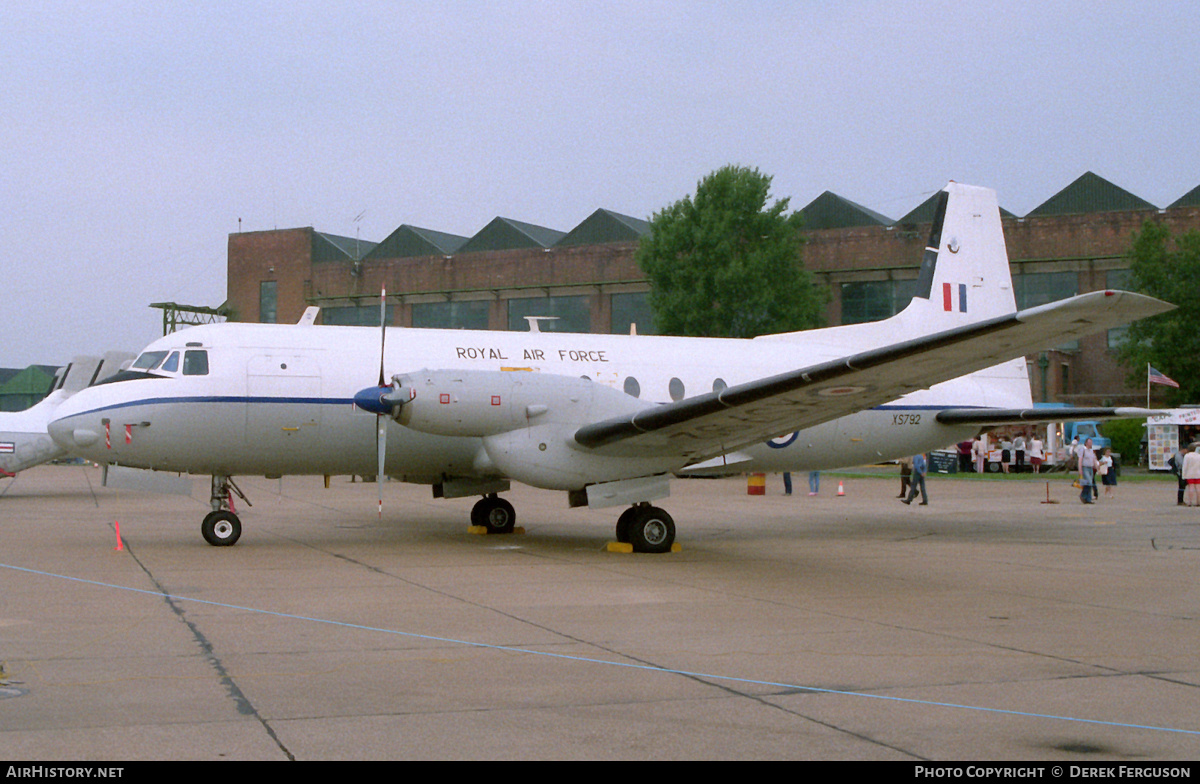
[[1147, 385]]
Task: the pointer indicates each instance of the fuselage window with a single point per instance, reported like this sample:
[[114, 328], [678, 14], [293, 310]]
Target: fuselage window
[[172, 363], [719, 385], [632, 387], [149, 360], [195, 363], [675, 387]]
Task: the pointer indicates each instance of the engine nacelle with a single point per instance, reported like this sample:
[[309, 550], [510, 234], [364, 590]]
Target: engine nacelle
[[484, 403]]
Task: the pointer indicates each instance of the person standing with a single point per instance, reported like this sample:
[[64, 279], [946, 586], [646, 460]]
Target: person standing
[[919, 468], [1108, 472], [1191, 475], [1176, 464], [979, 452], [1087, 473], [787, 482], [814, 482], [964, 456], [906, 464], [1019, 452], [1036, 453]]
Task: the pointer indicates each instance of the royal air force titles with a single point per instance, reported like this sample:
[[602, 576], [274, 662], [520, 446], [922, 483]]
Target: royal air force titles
[[531, 354]]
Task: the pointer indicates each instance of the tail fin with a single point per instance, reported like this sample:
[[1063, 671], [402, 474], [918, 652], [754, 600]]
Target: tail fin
[[79, 374], [964, 275]]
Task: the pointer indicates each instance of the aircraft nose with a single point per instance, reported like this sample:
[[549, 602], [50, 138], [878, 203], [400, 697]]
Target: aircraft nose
[[70, 437]]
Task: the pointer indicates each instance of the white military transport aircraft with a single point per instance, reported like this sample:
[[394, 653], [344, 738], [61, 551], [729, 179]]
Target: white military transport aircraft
[[606, 418], [24, 440]]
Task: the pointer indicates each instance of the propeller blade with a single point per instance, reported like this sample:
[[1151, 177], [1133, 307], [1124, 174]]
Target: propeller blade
[[381, 446], [380, 422], [382, 330]]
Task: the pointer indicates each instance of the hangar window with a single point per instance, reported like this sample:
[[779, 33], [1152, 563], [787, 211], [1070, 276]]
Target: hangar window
[[195, 363], [630, 309], [356, 316], [267, 301], [457, 314], [571, 313], [874, 300]]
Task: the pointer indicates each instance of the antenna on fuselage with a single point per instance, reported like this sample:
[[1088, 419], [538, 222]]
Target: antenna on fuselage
[[535, 322]]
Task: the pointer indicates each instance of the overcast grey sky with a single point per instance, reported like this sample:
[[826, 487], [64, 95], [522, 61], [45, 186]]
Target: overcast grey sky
[[135, 135]]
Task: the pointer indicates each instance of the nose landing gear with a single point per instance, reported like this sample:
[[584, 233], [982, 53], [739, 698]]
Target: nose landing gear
[[221, 527]]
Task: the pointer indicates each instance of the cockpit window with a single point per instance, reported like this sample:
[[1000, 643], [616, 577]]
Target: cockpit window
[[149, 360], [195, 363], [172, 363]]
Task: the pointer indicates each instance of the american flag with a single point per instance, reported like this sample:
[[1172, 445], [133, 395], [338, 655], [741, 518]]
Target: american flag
[[1155, 377]]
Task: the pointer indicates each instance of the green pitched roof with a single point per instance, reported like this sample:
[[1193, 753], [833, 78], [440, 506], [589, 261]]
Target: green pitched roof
[[507, 234], [923, 212], [409, 241], [22, 388], [605, 226], [1090, 193], [1189, 199], [331, 247], [830, 211]]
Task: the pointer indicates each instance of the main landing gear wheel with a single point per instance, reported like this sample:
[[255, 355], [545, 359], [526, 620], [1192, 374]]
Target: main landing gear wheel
[[221, 529], [648, 528], [495, 514], [623, 523]]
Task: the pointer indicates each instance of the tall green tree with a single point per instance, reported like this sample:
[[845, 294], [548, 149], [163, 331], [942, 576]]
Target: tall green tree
[[728, 264], [1168, 268]]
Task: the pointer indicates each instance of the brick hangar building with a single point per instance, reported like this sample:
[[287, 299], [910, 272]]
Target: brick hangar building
[[1072, 243]]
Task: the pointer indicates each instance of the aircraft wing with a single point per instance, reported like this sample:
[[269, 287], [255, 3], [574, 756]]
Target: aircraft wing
[[1016, 416], [708, 425]]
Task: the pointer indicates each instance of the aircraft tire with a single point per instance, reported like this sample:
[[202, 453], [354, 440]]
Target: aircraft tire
[[495, 514], [651, 530], [221, 529], [623, 524]]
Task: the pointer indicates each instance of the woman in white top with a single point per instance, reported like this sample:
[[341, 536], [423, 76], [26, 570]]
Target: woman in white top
[[1036, 454], [1108, 473], [1191, 475]]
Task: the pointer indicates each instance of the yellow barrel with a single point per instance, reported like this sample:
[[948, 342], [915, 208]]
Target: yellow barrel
[[756, 484]]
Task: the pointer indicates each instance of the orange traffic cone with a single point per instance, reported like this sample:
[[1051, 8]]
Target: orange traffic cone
[[117, 525], [841, 489]]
